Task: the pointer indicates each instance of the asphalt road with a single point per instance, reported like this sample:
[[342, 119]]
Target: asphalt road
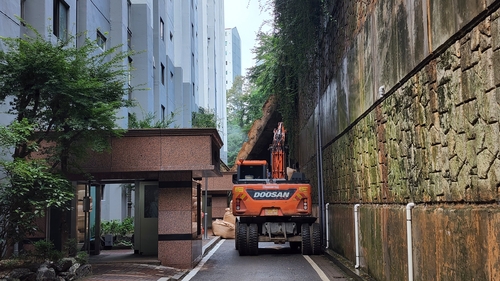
[[274, 262]]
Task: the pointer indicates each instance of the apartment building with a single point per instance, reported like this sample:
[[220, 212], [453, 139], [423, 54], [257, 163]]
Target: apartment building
[[233, 55]]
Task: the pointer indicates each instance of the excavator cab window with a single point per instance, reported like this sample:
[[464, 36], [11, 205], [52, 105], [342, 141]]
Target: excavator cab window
[[252, 172]]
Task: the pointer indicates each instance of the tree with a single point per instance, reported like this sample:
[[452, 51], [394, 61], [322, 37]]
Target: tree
[[59, 94], [287, 55], [27, 189], [71, 94], [204, 118], [244, 103]]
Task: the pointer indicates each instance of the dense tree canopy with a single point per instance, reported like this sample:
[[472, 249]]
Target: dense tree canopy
[[68, 94], [55, 93], [287, 54]]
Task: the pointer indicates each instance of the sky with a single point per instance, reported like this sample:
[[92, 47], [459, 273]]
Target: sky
[[247, 17]]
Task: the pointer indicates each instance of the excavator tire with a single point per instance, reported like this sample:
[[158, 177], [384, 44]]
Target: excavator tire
[[242, 239], [316, 239], [253, 239], [305, 230], [236, 226]]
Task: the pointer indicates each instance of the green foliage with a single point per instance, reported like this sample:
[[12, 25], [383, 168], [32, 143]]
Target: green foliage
[[204, 118], [149, 121], [44, 250], [117, 227], [110, 227], [244, 106], [28, 189], [71, 247], [288, 54], [58, 93], [235, 139], [71, 93], [82, 257], [126, 227]]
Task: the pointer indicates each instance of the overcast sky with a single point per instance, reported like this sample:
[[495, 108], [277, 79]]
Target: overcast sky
[[247, 17]]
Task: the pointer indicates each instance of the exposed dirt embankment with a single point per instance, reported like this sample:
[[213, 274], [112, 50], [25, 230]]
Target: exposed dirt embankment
[[260, 134]]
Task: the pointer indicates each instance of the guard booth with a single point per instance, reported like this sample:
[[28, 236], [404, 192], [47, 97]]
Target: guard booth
[[164, 164]]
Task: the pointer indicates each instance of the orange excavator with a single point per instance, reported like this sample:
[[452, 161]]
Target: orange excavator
[[271, 206]]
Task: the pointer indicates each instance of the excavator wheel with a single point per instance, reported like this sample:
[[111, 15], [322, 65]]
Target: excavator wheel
[[253, 239], [306, 239], [236, 226], [242, 239], [316, 239]]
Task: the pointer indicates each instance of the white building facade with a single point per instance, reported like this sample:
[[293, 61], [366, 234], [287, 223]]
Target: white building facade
[[233, 55], [212, 92]]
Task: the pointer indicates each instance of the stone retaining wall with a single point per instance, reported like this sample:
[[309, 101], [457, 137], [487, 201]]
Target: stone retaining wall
[[432, 138]]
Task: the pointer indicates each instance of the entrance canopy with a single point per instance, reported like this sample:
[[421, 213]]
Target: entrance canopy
[[155, 154]]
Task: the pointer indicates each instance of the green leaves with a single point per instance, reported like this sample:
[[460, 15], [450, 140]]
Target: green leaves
[[204, 118], [63, 88], [60, 94], [289, 55]]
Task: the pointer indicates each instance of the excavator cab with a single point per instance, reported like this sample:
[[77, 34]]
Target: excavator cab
[[251, 171]]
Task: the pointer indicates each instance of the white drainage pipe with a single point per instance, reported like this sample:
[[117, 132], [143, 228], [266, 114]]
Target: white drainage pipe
[[356, 233], [327, 226], [409, 206]]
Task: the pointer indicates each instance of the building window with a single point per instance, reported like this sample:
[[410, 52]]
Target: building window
[[129, 13], [60, 27], [171, 75], [23, 11], [162, 30], [162, 74], [192, 30], [101, 40], [171, 36], [162, 113], [129, 71]]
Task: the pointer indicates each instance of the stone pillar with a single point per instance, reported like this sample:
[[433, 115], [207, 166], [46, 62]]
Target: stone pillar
[[179, 244]]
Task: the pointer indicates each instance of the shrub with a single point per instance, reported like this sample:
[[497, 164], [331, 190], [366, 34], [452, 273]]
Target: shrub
[[44, 250], [82, 257]]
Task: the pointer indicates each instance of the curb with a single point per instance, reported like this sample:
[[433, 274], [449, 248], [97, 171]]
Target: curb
[[347, 266], [210, 245], [204, 251]]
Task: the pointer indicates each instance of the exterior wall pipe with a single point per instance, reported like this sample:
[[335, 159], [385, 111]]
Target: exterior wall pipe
[[327, 221], [409, 206], [356, 233]]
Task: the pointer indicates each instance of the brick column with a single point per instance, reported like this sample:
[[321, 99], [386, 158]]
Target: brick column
[[179, 244]]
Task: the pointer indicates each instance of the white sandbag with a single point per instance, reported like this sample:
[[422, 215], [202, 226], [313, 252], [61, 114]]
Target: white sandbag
[[229, 217], [223, 229]]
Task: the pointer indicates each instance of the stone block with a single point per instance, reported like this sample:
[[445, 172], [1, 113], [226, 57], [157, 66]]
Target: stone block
[[465, 56], [496, 71], [457, 120], [471, 112], [485, 160], [491, 135], [435, 159], [495, 32], [489, 110], [475, 38]]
